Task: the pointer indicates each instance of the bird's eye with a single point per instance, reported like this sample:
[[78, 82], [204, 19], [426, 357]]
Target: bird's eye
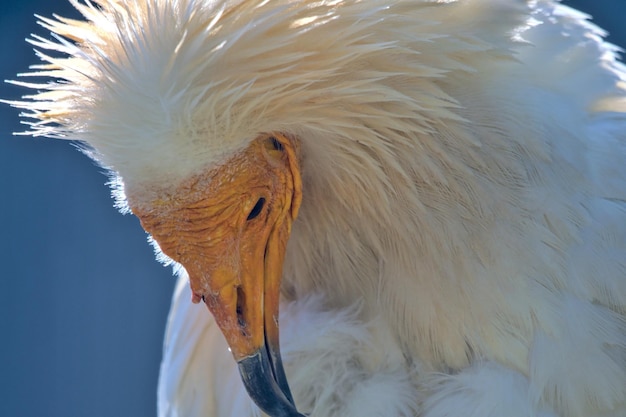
[[274, 147], [276, 144], [256, 210]]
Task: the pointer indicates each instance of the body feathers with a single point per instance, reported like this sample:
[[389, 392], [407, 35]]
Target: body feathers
[[461, 245]]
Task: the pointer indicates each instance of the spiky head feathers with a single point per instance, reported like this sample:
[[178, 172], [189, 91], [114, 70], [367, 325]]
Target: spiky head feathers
[[159, 89]]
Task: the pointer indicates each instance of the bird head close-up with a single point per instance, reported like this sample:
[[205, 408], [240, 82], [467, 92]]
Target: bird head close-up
[[448, 175]]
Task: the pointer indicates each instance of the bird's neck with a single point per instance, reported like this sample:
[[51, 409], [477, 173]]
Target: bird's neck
[[430, 254], [390, 244]]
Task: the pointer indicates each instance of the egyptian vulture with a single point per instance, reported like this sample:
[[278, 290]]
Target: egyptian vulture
[[433, 192]]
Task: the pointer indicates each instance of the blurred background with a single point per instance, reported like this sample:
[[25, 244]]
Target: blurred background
[[83, 304]]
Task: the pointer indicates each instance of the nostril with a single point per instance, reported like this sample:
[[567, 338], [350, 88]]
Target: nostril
[[256, 210]]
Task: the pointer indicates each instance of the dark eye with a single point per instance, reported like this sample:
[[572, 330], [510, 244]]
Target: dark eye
[[276, 144], [256, 210]]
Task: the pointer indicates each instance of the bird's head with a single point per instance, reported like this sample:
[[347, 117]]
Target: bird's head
[[188, 104], [208, 112], [228, 225]]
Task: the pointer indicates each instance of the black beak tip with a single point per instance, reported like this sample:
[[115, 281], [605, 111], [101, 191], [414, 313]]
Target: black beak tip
[[258, 377]]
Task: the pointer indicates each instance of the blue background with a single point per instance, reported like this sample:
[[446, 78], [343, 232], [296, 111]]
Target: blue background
[[82, 302]]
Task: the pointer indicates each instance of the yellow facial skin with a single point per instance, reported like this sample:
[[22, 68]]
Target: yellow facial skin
[[229, 228]]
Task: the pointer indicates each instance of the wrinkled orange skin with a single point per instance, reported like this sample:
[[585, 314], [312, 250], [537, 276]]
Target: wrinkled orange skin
[[234, 263]]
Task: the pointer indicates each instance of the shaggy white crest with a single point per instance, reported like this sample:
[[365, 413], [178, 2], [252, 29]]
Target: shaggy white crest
[[151, 84], [464, 179]]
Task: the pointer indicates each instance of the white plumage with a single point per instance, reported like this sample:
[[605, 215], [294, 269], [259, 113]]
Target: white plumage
[[461, 245]]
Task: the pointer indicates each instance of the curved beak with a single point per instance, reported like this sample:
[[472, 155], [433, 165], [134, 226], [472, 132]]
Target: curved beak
[[229, 229], [262, 372], [270, 392], [247, 313]]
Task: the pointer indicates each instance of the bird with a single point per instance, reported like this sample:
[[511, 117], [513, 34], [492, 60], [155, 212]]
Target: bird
[[408, 208]]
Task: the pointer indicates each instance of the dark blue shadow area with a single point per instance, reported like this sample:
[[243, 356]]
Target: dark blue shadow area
[[83, 303]]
